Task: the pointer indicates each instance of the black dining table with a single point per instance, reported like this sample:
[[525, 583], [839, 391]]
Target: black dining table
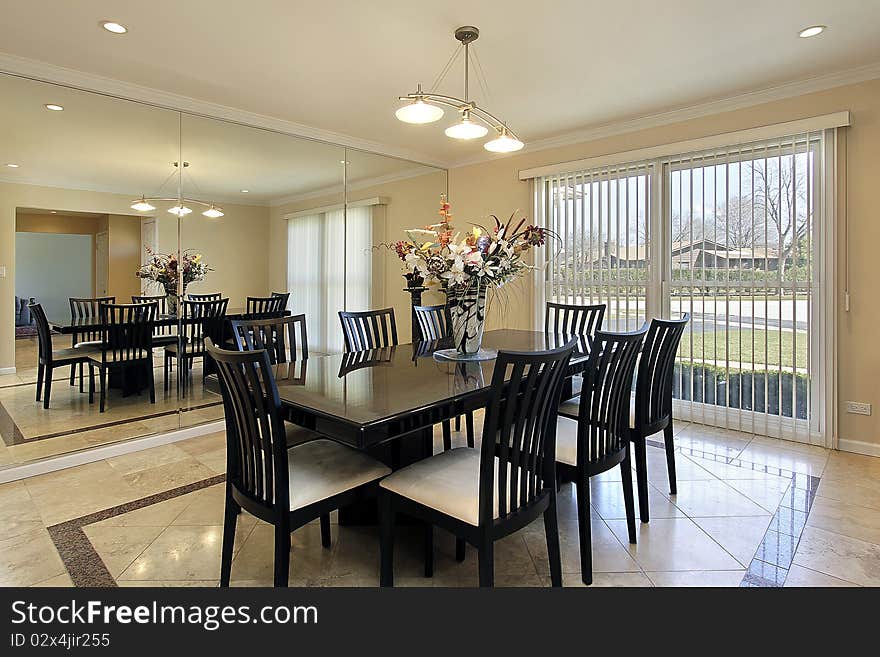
[[66, 324], [387, 401]]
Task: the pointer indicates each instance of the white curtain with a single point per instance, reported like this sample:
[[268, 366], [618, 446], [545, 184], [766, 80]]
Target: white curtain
[[329, 269]]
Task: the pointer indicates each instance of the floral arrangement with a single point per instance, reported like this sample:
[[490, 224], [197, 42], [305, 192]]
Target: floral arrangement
[[479, 258], [164, 269]]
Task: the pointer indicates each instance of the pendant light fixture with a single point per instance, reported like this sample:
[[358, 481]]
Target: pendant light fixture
[[179, 208], [424, 107]]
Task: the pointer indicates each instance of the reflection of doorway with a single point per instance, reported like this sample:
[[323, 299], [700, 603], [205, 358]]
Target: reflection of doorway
[[149, 240], [102, 260]]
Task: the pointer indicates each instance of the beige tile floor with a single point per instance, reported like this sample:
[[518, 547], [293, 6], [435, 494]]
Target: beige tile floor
[[81, 424], [704, 536]]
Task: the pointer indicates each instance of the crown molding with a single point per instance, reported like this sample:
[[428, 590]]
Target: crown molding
[[363, 184], [719, 106], [45, 72]]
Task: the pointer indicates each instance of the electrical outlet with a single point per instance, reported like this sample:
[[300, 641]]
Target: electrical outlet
[[3, 272], [859, 408]]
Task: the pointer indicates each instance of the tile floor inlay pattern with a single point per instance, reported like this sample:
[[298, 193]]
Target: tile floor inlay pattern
[[83, 563]]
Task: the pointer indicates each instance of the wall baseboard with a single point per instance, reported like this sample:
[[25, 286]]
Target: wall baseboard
[[858, 447], [7, 370], [93, 454]]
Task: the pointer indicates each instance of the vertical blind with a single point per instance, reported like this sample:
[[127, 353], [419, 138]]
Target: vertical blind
[[329, 269], [728, 235]]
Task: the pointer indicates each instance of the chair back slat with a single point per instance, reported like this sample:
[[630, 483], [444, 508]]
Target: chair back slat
[[44, 333], [285, 298], [519, 431], [370, 329], [127, 332], [255, 439], [161, 302], [264, 307], [283, 338], [655, 371], [86, 308], [201, 320], [567, 319], [433, 322], [603, 417]]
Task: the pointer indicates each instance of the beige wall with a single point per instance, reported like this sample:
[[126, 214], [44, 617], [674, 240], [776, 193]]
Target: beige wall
[[494, 187], [57, 223], [234, 245], [124, 256]]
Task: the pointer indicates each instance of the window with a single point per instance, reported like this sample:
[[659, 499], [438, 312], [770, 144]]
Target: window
[[330, 268], [734, 236]]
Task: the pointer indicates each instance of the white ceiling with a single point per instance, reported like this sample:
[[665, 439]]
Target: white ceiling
[[552, 68]]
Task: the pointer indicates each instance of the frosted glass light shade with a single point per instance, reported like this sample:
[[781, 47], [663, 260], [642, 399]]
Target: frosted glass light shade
[[180, 210], [142, 205], [466, 129], [503, 143], [419, 111], [213, 212]]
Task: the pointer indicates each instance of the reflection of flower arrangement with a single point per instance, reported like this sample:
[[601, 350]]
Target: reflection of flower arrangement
[[480, 258], [163, 269]]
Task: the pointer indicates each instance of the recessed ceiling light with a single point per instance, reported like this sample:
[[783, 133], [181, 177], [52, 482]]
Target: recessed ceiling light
[[12, 166], [116, 28], [54, 108], [245, 191], [811, 31], [53, 212]]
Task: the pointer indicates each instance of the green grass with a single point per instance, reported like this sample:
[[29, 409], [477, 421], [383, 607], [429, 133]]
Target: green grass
[[739, 347]]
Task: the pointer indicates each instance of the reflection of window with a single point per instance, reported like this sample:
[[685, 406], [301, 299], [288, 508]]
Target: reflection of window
[[330, 269]]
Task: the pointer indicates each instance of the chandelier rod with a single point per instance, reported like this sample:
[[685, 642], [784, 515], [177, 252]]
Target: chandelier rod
[[457, 103]]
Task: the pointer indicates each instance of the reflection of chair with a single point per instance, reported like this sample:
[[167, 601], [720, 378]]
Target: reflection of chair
[[285, 487], [599, 439], [85, 311], [434, 325], [264, 306], [50, 359], [199, 320], [653, 402], [483, 495], [277, 335], [370, 329], [212, 296], [126, 343], [162, 333], [573, 320], [357, 360]]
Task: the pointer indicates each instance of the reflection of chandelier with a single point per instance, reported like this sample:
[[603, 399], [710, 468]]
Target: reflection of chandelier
[[179, 208], [423, 106]]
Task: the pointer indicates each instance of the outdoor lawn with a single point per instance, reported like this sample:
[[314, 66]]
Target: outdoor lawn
[[745, 346]]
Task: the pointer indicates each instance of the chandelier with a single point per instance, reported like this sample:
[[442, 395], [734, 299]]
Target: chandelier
[[475, 122], [143, 204]]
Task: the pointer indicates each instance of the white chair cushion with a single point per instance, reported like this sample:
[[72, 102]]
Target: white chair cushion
[[571, 407], [322, 468], [448, 482], [566, 441], [297, 435]]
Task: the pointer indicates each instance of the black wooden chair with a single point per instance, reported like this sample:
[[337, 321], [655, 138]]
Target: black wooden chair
[[598, 438], [264, 307], [163, 335], [653, 400], [573, 320], [484, 495], [84, 309], [434, 325], [199, 320], [287, 488], [49, 358], [126, 343], [211, 296], [370, 329], [284, 296]]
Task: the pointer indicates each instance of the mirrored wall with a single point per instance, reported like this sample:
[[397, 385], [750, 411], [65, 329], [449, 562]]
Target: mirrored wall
[[112, 201]]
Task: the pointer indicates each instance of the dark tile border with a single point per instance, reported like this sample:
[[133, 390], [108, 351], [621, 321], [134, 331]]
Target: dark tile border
[[82, 561], [772, 560]]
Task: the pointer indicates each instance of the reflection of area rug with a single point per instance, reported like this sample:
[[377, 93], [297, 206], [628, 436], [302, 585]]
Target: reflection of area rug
[[25, 331]]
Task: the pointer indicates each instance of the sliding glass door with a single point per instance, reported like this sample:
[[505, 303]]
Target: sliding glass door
[[733, 237]]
